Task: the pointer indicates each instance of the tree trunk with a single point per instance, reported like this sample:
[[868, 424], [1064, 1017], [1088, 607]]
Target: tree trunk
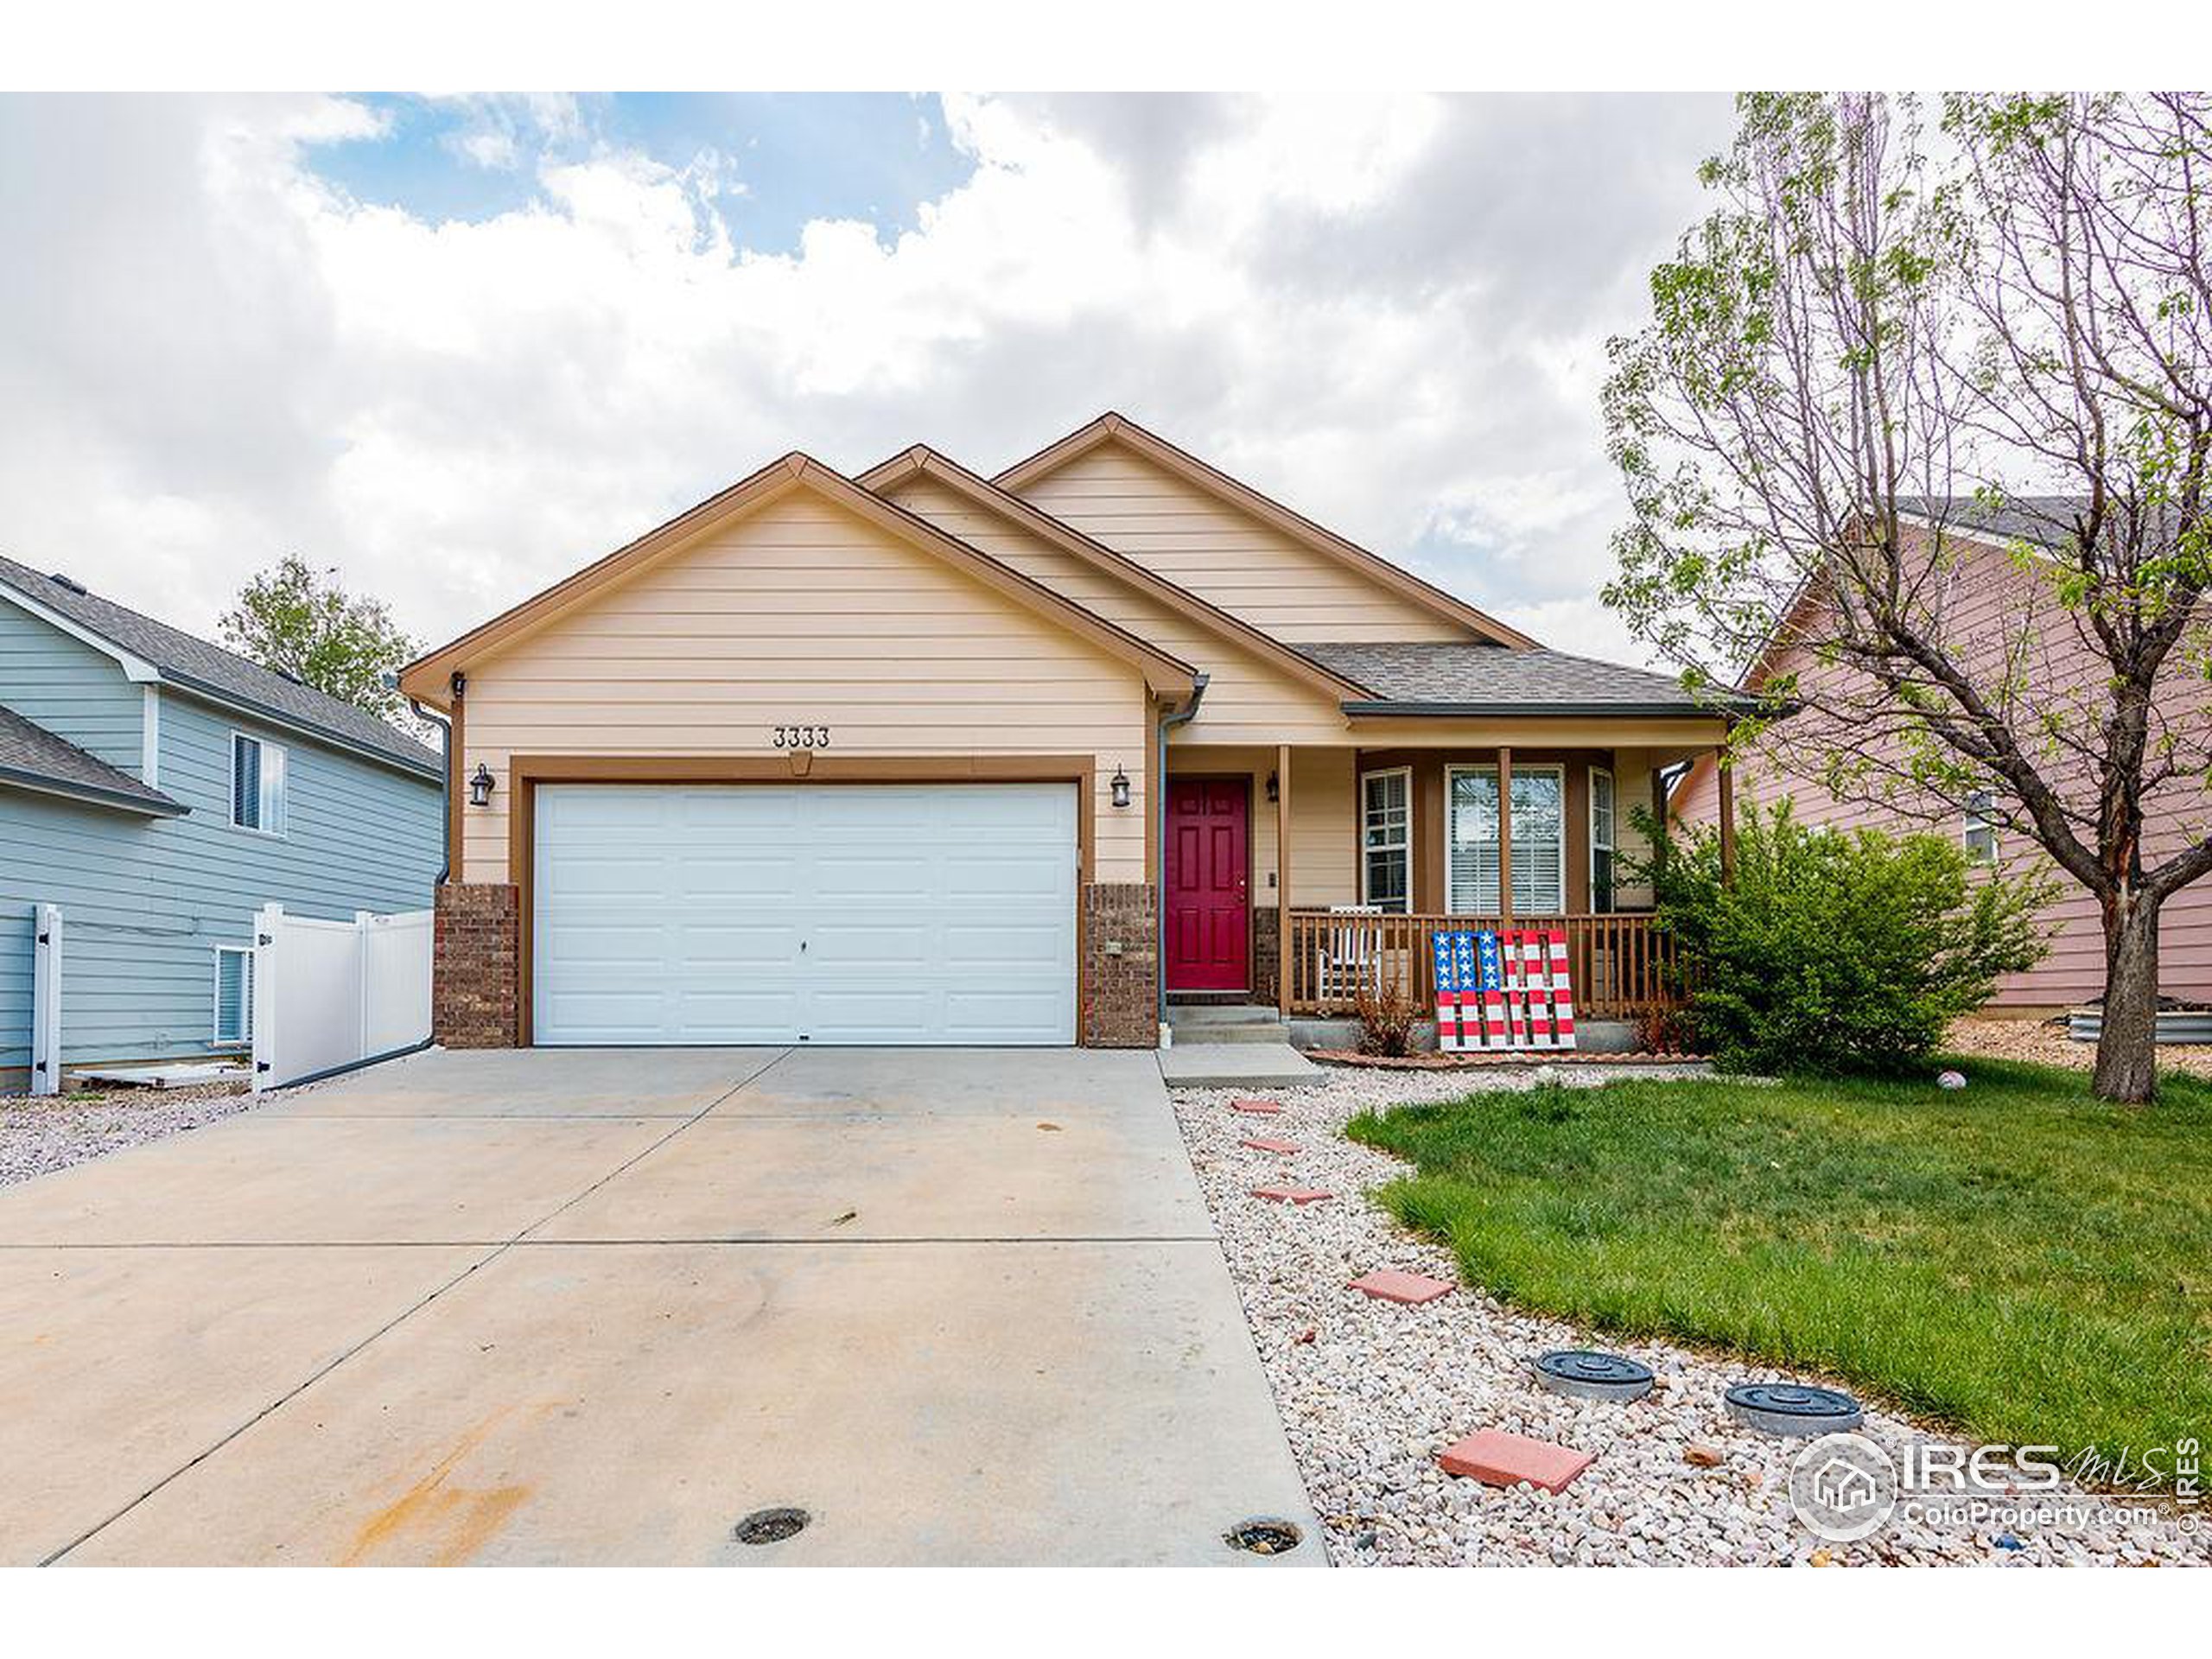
[[2126, 1052]]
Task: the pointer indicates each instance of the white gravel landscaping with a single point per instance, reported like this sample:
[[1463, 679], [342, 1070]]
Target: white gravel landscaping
[[1370, 1391], [44, 1133]]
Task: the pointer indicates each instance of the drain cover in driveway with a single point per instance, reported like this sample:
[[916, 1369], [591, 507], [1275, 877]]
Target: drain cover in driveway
[[771, 1526]]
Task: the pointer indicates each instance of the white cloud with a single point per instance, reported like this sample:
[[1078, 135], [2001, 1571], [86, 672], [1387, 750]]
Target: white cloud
[[1388, 312]]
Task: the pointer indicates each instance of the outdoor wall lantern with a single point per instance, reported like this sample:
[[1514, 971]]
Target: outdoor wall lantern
[[1275, 787], [1120, 787], [481, 785]]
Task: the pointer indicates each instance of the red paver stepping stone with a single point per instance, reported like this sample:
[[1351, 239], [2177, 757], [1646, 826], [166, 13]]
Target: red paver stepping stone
[[1497, 1459], [1391, 1285], [1268, 1143], [1291, 1194], [1257, 1107]]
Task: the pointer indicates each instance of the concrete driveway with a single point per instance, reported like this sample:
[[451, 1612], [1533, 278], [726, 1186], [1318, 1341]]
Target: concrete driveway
[[598, 1306]]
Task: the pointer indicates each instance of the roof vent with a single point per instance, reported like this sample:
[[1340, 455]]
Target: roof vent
[[70, 582]]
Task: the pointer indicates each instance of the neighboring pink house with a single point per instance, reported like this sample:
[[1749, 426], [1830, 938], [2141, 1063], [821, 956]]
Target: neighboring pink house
[[1988, 597]]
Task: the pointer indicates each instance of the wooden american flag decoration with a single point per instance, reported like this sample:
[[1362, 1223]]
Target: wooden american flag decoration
[[1508, 989]]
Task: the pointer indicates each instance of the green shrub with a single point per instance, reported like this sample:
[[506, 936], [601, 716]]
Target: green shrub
[[1836, 953]]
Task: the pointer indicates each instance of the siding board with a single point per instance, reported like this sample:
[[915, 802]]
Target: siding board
[[1249, 569], [802, 613]]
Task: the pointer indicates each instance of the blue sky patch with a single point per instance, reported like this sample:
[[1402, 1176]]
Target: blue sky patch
[[783, 159]]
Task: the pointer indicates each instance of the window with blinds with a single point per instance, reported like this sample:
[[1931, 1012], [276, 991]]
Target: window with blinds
[[233, 994], [1539, 840], [256, 784]]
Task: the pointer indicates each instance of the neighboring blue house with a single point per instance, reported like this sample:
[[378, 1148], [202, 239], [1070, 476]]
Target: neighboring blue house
[[161, 789]]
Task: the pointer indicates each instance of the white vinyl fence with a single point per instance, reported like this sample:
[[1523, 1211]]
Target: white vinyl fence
[[327, 993]]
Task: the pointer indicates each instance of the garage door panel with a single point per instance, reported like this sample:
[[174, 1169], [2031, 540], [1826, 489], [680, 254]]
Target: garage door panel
[[738, 944], [869, 877], [865, 914], [996, 1017]]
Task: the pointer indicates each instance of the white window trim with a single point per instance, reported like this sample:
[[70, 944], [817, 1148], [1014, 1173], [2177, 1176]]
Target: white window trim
[[1970, 820], [1550, 769], [1612, 788], [231, 795], [215, 1037], [1406, 773]]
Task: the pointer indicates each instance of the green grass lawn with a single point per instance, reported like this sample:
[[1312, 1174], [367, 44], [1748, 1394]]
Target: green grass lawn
[[2012, 1261]]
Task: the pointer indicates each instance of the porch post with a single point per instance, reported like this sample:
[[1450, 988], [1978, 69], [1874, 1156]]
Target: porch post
[[1282, 880], [1726, 776], [1505, 837]]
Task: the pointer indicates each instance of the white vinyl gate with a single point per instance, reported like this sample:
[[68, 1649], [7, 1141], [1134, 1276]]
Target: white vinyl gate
[[822, 913], [329, 994]]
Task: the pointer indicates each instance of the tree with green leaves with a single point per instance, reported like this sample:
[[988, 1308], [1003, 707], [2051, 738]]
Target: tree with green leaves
[[1882, 343], [302, 622]]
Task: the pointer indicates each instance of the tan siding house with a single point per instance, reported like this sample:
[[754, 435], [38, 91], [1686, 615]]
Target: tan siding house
[[1985, 593], [918, 756]]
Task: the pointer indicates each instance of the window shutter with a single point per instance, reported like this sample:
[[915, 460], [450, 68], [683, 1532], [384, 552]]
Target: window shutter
[[246, 782]]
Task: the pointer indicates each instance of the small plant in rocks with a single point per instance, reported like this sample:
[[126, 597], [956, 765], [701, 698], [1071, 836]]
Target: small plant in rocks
[[1386, 1019]]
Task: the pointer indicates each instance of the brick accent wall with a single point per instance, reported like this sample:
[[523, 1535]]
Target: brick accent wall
[[1120, 986], [475, 965], [1267, 953]]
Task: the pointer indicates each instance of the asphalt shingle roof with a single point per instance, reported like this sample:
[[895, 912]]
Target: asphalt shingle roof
[[1482, 678], [2047, 520], [194, 662], [30, 754]]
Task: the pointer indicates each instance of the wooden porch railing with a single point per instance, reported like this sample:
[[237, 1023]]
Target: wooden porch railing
[[1618, 963]]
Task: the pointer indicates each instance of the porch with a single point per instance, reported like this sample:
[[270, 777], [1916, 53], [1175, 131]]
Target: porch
[[1296, 876], [1617, 964]]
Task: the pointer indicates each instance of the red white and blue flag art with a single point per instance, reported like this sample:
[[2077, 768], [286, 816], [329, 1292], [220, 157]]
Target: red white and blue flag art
[[1507, 989]]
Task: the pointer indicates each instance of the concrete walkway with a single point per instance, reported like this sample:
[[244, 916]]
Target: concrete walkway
[[597, 1305]]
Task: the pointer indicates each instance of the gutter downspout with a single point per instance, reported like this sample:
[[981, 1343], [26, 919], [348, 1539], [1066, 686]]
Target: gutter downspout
[[1172, 719], [445, 794]]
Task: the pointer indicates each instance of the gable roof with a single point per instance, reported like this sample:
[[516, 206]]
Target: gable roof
[[154, 652], [31, 757], [1114, 428], [922, 461], [1426, 678], [427, 677]]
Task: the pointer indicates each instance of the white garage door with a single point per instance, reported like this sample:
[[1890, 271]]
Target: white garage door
[[821, 913]]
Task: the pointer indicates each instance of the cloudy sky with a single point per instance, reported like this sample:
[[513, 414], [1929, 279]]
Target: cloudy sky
[[457, 346]]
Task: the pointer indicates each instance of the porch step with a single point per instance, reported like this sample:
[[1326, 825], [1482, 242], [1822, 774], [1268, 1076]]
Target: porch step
[[1235, 1065], [1240, 1023]]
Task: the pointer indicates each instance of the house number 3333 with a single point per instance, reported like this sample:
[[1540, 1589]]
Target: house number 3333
[[802, 737]]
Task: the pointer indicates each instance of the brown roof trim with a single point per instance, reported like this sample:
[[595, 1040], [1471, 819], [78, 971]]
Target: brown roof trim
[[922, 461], [1112, 426], [427, 677]]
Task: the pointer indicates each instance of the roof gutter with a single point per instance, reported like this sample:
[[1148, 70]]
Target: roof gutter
[[1169, 721], [94, 794], [259, 710], [1506, 711]]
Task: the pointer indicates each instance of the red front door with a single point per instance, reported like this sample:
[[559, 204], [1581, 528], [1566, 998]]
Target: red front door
[[1208, 926]]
